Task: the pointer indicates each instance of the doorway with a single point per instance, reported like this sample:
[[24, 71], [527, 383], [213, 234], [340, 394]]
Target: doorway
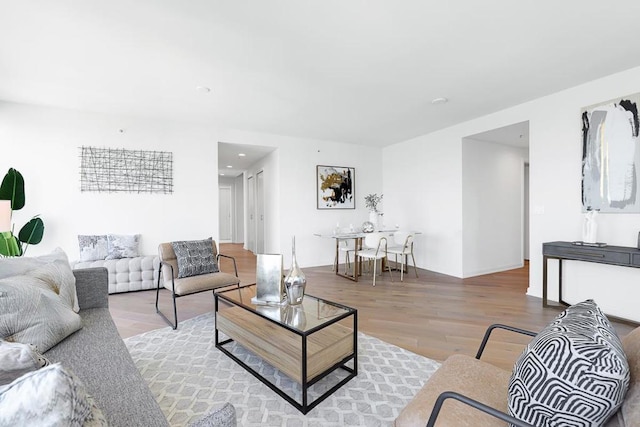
[[251, 217], [226, 219], [260, 212]]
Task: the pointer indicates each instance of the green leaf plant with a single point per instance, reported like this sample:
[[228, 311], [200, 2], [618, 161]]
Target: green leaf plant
[[12, 188]]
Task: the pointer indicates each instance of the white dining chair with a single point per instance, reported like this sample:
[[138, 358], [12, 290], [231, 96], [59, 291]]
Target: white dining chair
[[403, 246], [346, 246], [374, 247]]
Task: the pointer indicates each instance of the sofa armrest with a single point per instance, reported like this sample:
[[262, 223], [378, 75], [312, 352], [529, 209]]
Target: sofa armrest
[[92, 287], [235, 266], [474, 404], [490, 329]]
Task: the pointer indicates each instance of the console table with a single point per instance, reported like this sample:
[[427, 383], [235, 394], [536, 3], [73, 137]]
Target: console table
[[614, 255]]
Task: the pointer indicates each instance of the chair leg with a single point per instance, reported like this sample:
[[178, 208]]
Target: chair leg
[[415, 269], [402, 264], [375, 270], [174, 325]]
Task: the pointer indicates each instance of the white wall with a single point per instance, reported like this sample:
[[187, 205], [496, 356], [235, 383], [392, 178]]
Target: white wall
[[423, 192], [43, 144], [555, 155], [492, 205]]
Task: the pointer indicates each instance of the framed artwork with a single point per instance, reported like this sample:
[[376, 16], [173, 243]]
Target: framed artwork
[[336, 187], [610, 156]]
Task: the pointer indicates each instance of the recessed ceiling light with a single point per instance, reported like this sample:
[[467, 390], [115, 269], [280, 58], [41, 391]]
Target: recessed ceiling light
[[229, 166], [203, 89], [438, 101], [221, 174], [241, 154]]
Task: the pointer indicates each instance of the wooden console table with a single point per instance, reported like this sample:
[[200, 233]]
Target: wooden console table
[[614, 255]]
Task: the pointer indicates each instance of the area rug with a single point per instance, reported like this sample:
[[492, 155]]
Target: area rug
[[188, 376]]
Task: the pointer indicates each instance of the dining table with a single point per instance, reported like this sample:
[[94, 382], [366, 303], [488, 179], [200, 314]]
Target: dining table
[[357, 237]]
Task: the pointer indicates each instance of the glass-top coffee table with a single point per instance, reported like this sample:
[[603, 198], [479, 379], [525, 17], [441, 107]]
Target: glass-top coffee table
[[309, 343]]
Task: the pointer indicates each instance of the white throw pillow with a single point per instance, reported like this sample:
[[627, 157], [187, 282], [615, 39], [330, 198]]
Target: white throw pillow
[[122, 246], [15, 266], [51, 396], [32, 313], [16, 359], [93, 248]]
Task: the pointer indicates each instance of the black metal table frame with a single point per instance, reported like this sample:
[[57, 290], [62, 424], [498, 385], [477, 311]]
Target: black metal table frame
[[305, 406], [566, 251]]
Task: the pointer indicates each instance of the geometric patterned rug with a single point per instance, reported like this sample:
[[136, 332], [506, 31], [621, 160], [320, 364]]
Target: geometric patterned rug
[[188, 376]]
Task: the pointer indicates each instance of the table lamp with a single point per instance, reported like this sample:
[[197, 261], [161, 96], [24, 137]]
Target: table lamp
[[5, 215]]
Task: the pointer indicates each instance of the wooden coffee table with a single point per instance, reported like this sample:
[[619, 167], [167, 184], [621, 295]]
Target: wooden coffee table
[[306, 342]]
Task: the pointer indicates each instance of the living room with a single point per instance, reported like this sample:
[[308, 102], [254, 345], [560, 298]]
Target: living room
[[44, 121]]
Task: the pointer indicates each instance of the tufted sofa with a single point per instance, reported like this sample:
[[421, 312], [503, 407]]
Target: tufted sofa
[[127, 274]]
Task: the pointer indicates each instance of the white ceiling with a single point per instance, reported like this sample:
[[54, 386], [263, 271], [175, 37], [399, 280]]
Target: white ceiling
[[360, 71], [229, 155]]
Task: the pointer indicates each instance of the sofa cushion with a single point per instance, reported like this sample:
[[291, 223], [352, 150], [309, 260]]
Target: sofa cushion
[[93, 248], [574, 372], [51, 396], [16, 359], [32, 313], [474, 378], [122, 246], [195, 257], [15, 266]]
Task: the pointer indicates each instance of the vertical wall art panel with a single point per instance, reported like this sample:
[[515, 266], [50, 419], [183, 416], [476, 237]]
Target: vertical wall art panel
[[610, 156], [336, 188], [111, 170]]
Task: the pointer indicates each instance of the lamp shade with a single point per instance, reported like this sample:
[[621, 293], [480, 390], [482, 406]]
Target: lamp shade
[[5, 215]]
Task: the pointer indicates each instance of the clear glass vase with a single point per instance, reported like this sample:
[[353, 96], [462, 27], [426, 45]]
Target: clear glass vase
[[295, 281]]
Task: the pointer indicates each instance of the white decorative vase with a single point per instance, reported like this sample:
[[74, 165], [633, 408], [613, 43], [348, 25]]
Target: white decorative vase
[[590, 227], [373, 218]]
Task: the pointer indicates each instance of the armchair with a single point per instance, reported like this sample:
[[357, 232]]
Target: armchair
[[466, 391], [179, 287]]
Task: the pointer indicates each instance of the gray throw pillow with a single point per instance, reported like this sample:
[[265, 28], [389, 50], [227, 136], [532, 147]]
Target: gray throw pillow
[[32, 313], [51, 396], [573, 373], [122, 246], [93, 248], [224, 416], [195, 257], [16, 359]]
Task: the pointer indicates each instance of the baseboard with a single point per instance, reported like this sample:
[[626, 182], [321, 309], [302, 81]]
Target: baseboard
[[493, 270]]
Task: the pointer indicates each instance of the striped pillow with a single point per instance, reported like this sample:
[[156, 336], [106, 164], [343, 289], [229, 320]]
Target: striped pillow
[[574, 372]]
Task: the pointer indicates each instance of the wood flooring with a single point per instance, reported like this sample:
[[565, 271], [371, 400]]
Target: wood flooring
[[434, 315]]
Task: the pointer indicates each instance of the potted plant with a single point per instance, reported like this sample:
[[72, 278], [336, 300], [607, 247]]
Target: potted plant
[[12, 190]]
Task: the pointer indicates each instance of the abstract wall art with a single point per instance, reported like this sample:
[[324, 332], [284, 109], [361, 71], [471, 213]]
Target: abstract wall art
[[114, 170], [611, 156], [336, 187]]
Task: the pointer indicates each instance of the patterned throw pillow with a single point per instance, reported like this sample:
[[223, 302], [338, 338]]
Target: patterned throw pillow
[[195, 257], [122, 246], [51, 396], [16, 359], [573, 373], [93, 248], [32, 313], [224, 416]]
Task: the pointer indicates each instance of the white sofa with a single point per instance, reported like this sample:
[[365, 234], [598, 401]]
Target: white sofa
[[127, 274]]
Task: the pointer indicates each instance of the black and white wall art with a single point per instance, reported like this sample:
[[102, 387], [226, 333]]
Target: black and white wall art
[[336, 187], [114, 170], [610, 156]]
